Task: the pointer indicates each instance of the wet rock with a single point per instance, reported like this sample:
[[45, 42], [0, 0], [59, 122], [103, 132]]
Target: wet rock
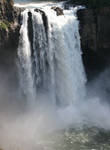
[[9, 24], [58, 10], [95, 39]]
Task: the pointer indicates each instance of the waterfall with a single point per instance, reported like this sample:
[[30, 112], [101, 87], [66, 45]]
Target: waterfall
[[49, 53], [24, 55]]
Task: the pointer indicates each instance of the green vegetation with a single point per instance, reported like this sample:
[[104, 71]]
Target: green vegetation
[[4, 25]]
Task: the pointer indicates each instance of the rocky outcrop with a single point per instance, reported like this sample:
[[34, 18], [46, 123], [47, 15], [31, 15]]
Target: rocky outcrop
[[9, 24], [95, 39], [58, 10], [9, 36], [6, 10]]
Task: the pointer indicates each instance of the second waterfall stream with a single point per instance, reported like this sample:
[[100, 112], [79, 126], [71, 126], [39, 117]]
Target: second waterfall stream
[[50, 61]]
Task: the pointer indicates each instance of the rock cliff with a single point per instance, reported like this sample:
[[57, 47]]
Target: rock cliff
[[9, 24], [9, 36], [95, 38]]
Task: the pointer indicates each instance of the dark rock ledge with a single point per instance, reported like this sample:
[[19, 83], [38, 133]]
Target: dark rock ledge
[[95, 39]]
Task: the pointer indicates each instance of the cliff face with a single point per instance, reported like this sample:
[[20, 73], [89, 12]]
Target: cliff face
[[9, 24], [6, 10], [9, 36], [95, 39]]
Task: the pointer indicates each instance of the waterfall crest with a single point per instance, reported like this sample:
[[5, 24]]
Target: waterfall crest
[[50, 56]]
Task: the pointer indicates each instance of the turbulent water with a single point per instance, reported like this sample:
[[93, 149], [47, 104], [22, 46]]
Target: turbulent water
[[50, 56]]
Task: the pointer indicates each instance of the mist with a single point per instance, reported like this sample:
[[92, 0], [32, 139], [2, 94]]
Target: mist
[[24, 127]]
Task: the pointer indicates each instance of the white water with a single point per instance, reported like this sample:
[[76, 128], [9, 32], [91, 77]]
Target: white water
[[55, 67], [24, 54]]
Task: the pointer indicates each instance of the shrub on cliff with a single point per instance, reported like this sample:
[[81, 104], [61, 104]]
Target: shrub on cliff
[[4, 25]]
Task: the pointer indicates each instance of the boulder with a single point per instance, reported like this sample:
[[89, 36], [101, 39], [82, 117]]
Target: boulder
[[58, 10]]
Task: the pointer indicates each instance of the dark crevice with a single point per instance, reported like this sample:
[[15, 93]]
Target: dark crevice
[[30, 30]]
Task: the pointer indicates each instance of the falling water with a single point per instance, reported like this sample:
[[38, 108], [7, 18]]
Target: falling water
[[24, 54], [50, 56]]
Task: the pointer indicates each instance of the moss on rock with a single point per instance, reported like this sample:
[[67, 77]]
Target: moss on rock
[[4, 25]]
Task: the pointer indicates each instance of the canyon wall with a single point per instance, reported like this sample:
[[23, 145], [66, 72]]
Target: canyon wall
[[9, 24], [95, 39], [9, 36]]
